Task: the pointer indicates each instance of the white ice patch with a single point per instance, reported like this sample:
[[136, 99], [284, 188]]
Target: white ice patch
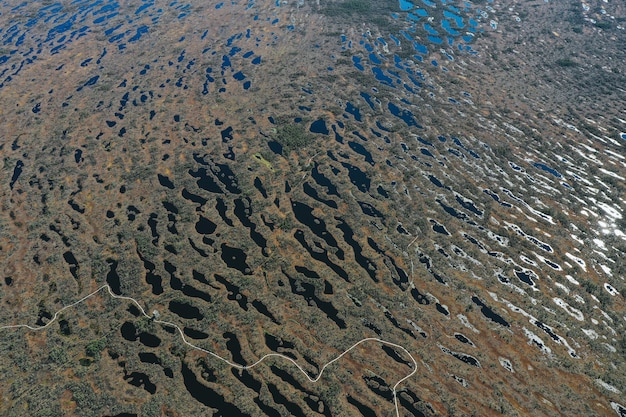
[[607, 387], [506, 364], [572, 280], [463, 319], [533, 338], [610, 211], [591, 334], [563, 287], [600, 243], [610, 289], [611, 174], [576, 259], [577, 314], [606, 270]]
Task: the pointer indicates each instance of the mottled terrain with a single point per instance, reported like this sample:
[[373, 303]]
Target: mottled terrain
[[293, 177]]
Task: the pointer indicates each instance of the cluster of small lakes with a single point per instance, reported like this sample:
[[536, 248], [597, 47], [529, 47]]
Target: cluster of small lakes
[[393, 228]]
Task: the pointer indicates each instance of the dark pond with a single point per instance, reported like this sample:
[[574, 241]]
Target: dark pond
[[235, 258], [348, 236], [360, 149], [113, 278], [194, 334], [293, 408], [304, 214], [489, 313], [185, 310], [525, 277], [321, 180], [379, 387], [233, 345], [208, 396], [320, 254], [138, 379], [312, 192], [234, 292], [17, 171], [205, 226], [393, 354], [357, 177], [307, 291], [319, 126], [363, 409]]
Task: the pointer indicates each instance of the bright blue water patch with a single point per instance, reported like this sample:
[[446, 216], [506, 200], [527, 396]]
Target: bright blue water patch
[[406, 5], [143, 7], [472, 22], [413, 17], [246, 85], [425, 142], [113, 29], [275, 21], [140, 31], [396, 40], [458, 20], [453, 101], [343, 38], [369, 47], [467, 38], [421, 12], [429, 3], [434, 62], [426, 152], [116, 37], [63, 27], [319, 126], [3, 59], [398, 62], [395, 15], [256, 60], [248, 54], [547, 169], [448, 28], [435, 39], [225, 62], [306, 90], [239, 76], [430, 29], [406, 35], [105, 18], [234, 50], [353, 111], [422, 49], [374, 59], [380, 76], [219, 5], [357, 63], [368, 99], [418, 58], [381, 40], [409, 89], [622, 135], [89, 82], [403, 114]]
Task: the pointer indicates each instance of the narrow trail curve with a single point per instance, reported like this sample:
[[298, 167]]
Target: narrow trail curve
[[232, 364]]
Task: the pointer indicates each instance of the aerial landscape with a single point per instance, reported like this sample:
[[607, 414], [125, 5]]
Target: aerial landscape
[[313, 208]]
